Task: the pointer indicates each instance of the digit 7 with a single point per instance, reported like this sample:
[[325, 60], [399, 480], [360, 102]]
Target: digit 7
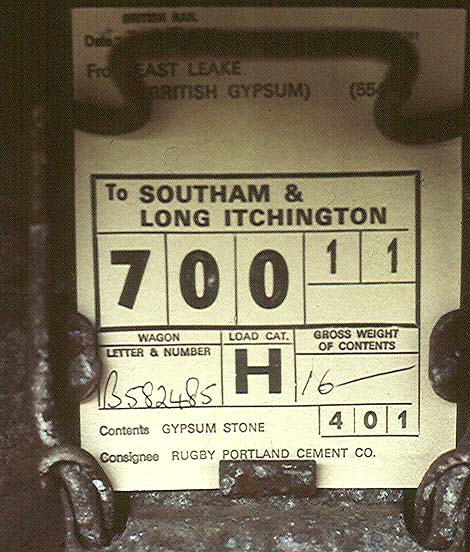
[[137, 259]]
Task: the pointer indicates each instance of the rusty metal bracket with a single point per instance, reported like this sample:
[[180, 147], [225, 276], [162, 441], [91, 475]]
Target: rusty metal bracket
[[93, 506], [269, 478], [441, 509], [88, 490]]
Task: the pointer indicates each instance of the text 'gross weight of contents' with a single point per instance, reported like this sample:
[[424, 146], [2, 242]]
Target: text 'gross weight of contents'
[[276, 291]]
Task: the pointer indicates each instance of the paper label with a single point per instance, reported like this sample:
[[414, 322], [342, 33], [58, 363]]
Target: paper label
[[264, 267]]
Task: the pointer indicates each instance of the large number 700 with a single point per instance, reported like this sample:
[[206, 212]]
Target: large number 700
[[137, 260]]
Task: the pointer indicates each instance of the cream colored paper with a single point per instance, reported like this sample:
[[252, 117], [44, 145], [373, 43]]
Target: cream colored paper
[[354, 237]]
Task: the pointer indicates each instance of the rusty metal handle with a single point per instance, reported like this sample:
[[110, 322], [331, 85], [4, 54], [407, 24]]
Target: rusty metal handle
[[441, 509], [390, 47], [88, 491]]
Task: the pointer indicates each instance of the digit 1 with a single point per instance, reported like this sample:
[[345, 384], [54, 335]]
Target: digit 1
[[393, 250], [402, 417], [331, 249]]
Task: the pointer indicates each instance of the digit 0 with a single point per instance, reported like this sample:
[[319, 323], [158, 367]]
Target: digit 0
[[370, 419], [210, 279], [280, 283]]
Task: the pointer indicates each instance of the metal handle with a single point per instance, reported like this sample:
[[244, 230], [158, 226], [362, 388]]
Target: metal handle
[[267, 44]]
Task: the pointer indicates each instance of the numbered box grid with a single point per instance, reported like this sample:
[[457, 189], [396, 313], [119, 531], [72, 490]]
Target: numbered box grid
[[352, 263], [348, 263], [270, 378], [368, 420]]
